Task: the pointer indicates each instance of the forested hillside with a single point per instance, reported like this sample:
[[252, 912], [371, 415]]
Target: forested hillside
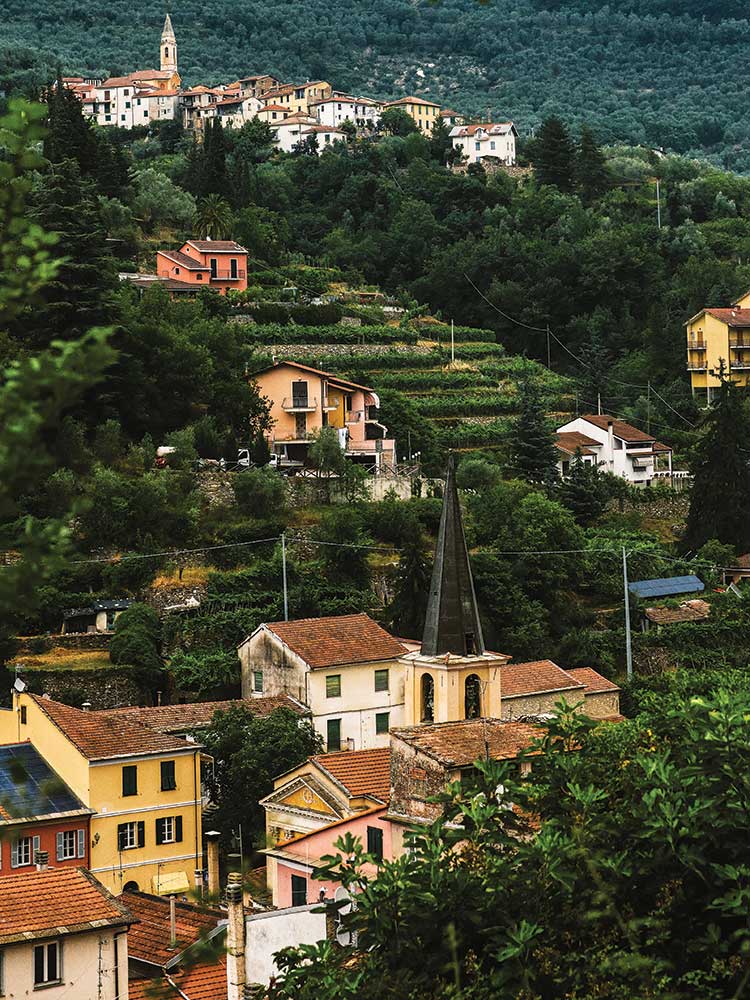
[[650, 71]]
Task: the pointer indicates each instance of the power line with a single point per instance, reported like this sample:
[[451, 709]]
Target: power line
[[175, 552]]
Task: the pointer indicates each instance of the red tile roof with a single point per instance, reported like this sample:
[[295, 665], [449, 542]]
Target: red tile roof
[[591, 679], [220, 246], [732, 317], [273, 107], [571, 441], [315, 371], [100, 737], [149, 939], [39, 904], [198, 715], [361, 772], [189, 263], [619, 427], [688, 611], [202, 981], [411, 100], [328, 642], [459, 744], [535, 677]]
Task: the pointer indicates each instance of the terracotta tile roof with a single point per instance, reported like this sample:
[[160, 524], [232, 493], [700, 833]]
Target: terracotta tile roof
[[361, 772], [100, 737], [323, 128], [411, 100], [328, 642], [732, 317], [189, 263], [149, 939], [535, 677], [198, 715], [202, 981], [571, 441], [38, 904], [619, 427], [592, 680], [333, 379], [491, 128], [688, 611], [658, 446], [219, 246], [273, 107], [459, 744]]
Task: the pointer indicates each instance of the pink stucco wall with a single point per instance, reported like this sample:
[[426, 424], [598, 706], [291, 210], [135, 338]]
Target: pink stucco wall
[[315, 845]]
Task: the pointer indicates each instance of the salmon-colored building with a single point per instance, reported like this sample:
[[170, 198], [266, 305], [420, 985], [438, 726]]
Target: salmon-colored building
[[217, 264], [304, 400]]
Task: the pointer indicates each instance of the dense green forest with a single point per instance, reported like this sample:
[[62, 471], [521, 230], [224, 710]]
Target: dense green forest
[[651, 72]]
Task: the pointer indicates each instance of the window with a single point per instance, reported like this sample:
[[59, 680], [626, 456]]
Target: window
[[130, 780], [122, 118], [333, 686], [66, 845], [145, 114], [108, 118], [22, 851], [213, 264], [233, 267], [382, 722], [138, 102], [477, 145], [257, 680], [23, 715], [199, 276], [126, 93], [492, 144], [131, 835], [381, 679], [428, 698], [375, 842], [333, 733], [299, 890], [177, 270], [47, 963], [168, 783], [472, 697], [127, 104], [169, 830]]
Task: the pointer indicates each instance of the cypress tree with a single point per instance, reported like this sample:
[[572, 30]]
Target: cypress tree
[[409, 605], [585, 492], [534, 453], [591, 172], [720, 498], [553, 155], [69, 134], [214, 179]]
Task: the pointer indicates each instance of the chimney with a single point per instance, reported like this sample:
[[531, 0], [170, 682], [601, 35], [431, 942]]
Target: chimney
[[611, 440], [172, 923], [235, 939], [212, 851], [41, 858], [86, 706]]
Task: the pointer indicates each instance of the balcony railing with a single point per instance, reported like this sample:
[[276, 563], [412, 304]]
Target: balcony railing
[[740, 365], [696, 345], [299, 404], [696, 366], [738, 343], [227, 275]]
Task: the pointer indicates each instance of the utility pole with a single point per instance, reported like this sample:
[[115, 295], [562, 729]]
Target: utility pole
[[599, 403], [549, 355], [453, 345], [577, 402], [648, 409], [283, 577], [658, 203], [628, 647]]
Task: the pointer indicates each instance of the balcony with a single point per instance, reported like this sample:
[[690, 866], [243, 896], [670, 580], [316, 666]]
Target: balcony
[[740, 343], [696, 345], [741, 364], [299, 404], [227, 275], [329, 405], [696, 366]]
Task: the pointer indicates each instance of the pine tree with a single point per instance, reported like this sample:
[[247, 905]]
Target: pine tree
[[534, 453], [214, 179], [553, 155], [441, 144], [80, 295], [591, 174], [720, 498], [585, 491], [69, 135], [407, 610]]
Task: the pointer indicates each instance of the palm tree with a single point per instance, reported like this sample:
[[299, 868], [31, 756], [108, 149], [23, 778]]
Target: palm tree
[[213, 218]]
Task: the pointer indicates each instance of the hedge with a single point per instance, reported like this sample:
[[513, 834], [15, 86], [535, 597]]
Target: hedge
[[282, 312], [461, 334], [276, 333]]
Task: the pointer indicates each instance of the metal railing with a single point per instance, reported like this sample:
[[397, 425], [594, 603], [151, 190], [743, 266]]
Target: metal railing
[[696, 345], [299, 403], [696, 366], [739, 343], [227, 275]]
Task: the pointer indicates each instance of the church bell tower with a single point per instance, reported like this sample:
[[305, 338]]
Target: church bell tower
[[168, 51]]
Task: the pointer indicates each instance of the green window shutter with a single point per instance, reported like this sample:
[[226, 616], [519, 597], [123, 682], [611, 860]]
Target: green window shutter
[[160, 831], [130, 780], [381, 680], [168, 782], [375, 842], [81, 843], [382, 722], [121, 836], [333, 686], [141, 833], [178, 829], [333, 733]]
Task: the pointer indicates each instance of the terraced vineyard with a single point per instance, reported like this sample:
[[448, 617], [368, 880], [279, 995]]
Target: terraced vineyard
[[471, 399]]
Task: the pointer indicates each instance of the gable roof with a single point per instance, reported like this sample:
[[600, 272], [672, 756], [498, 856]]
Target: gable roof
[[329, 642], [620, 429], [344, 383], [490, 128], [56, 901], [202, 981], [459, 744], [411, 100], [688, 611], [178, 257], [29, 788], [361, 772], [535, 677], [572, 441], [591, 679], [219, 246], [323, 829], [198, 715], [149, 939], [732, 317], [101, 737]]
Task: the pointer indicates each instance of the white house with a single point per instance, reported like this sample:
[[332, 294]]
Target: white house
[[613, 446], [198, 103], [125, 102], [234, 110], [338, 108], [288, 132], [478, 141], [325, 135]]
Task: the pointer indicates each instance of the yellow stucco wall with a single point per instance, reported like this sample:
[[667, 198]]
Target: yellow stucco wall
[[716, 335], [450, 686]]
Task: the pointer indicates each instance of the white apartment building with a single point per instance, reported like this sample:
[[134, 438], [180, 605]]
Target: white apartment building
[[613, 446], [478, 141], [338, 108], [289, 131]]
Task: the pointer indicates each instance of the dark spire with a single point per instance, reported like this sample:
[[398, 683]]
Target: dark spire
[[452, 622]]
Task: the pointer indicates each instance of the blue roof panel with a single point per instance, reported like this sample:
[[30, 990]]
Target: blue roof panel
[[29, 787], [667, 586]]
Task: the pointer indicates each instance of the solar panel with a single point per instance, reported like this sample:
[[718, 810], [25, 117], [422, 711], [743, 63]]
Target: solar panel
[[666, 586], [29, 786]]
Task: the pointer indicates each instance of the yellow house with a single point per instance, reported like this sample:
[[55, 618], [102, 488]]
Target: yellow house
[[716, 335], [424, 113], [297, 97], [143, 785]]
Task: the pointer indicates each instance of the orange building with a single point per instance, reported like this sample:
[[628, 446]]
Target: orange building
[[217, 264]]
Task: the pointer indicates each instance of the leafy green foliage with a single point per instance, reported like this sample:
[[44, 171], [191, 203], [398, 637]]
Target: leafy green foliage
[[137, 642]]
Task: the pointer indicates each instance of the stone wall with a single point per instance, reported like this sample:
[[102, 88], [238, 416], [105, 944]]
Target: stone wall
[[108, 688], [215, 487], [415, 778]]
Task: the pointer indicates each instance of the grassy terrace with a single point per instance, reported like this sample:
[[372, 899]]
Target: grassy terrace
[[66, 659]]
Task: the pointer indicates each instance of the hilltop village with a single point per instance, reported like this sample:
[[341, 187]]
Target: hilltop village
[[374, 552]]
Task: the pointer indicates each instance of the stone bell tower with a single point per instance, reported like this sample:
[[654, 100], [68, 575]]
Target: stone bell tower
[[452, 677], [168, 51]]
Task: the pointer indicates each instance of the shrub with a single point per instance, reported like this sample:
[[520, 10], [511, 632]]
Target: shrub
[[260, 492], [210, 673]]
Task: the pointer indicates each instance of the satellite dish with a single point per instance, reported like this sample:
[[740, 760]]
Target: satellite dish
[[344, 937], [19, 685]]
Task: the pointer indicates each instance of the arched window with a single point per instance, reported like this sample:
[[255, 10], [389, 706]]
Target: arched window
[[130, 887], [166, 52], [472, 697], [428, 698]]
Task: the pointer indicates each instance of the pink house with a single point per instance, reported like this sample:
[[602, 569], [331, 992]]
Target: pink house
[[292, 863], [217, 264]]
